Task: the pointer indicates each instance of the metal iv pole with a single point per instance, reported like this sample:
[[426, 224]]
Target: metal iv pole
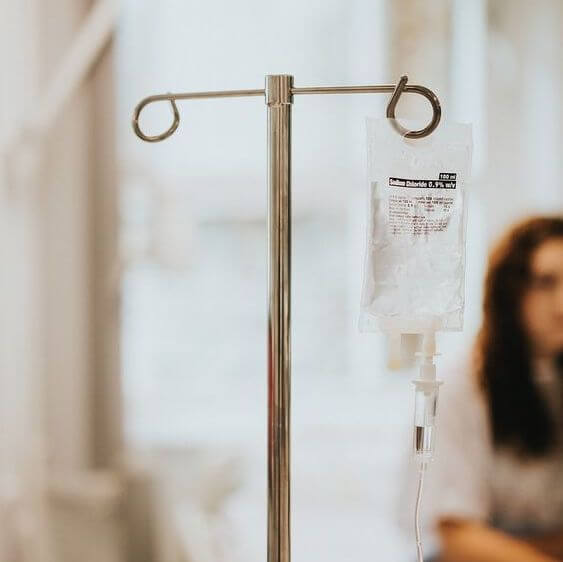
[[278, 93]]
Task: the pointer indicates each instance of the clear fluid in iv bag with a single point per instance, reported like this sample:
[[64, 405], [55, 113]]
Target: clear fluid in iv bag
[[424, 438]]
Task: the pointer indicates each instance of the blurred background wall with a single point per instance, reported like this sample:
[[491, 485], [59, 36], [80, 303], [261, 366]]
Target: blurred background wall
[[133, 285]]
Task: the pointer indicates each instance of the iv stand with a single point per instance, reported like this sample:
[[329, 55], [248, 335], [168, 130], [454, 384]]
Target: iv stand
[[279, 92]]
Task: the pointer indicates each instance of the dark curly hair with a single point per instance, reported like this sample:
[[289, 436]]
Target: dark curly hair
[[519, 416]]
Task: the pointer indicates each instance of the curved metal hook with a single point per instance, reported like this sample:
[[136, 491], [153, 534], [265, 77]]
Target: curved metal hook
[[428, 94], [396, 94], [183, 96], [151, 99]]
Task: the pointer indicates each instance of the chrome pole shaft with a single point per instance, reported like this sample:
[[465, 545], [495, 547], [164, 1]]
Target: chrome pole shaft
[[279, 99]]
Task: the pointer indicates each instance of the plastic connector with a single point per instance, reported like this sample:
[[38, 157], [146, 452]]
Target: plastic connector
[[426, 402]]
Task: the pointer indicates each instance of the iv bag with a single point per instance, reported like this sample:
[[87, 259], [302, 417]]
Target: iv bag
[[414, 265]]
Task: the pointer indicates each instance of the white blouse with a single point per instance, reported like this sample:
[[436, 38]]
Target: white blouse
[[470, 479]]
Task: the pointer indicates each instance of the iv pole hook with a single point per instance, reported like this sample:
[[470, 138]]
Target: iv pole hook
[[428, 94], [395, 90]]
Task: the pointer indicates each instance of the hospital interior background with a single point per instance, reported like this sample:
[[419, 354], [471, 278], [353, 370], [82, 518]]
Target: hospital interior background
[[133, 284]]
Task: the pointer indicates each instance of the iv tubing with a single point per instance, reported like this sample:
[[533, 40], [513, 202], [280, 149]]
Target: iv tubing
[[419, 551], [425, 410]]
